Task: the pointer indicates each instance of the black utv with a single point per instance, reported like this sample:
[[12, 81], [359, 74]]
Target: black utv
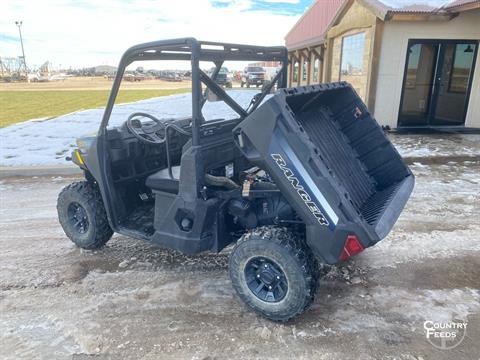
[[306, 175]]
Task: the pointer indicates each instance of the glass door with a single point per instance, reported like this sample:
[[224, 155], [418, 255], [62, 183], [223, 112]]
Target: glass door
[[437, 81], [453, 80], [418, 84]]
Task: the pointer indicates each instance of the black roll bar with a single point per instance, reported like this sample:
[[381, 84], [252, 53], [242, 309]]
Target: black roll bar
[[192, 50], [195, 51]]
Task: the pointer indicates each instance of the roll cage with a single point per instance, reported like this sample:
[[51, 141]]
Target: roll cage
[[195, 51]]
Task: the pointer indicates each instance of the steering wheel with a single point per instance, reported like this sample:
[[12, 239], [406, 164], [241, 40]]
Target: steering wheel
[[148, 133]]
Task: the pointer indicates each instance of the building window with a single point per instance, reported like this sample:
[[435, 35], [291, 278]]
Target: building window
[[316, 69], [461, 65], [304, 70], [352, 56], [295, 71]]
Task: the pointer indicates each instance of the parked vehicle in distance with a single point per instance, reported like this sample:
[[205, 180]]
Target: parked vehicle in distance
[[133, 77], [223, 78], [253, 75], [171, 76]]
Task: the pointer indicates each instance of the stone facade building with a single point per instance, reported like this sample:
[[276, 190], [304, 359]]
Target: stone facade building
[[414, 64]]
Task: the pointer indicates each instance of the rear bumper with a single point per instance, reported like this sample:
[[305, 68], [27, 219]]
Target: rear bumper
[[329, 250]]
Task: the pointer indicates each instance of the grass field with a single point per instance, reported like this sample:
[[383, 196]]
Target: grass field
[[20, 105]]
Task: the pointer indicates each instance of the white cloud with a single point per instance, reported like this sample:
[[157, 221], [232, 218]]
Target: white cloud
[[88, 32], [283, 1]]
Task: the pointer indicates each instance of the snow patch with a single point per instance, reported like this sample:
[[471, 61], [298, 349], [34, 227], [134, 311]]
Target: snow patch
[[40, 142], [415, 306], [397, 248], [436, 145], [46, 142], [437, 305]]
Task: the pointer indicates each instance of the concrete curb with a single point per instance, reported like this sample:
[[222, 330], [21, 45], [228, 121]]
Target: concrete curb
[[29, 171], [72, 170]]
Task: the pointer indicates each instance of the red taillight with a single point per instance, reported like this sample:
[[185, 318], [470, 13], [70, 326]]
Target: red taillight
[[352, 247]]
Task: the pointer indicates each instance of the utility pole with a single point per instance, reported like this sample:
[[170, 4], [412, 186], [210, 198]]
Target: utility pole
[[19, 24]]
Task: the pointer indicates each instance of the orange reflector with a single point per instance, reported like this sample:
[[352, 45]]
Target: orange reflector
[[352, 247]]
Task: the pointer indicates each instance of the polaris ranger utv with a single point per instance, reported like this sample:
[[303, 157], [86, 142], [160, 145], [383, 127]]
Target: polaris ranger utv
[[306, 175]]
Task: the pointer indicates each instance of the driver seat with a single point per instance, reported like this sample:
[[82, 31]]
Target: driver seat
[[161, 180]]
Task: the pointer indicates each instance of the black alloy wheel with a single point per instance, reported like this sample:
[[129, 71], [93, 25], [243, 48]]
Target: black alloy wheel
[[266, 279]]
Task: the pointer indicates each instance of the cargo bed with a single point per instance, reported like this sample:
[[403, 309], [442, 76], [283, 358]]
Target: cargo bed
[[322, 139]]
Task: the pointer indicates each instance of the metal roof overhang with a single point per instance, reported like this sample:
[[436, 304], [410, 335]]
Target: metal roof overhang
[[312, 42]]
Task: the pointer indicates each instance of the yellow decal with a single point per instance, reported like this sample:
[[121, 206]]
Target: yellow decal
[[79, 157]]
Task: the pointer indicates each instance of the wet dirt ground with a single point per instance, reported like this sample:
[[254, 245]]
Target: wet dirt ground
[[133, 300]]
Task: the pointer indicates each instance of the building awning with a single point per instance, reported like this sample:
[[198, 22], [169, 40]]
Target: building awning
[[312, 26]]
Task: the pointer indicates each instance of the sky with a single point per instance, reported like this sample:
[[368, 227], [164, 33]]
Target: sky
[[83, 33]]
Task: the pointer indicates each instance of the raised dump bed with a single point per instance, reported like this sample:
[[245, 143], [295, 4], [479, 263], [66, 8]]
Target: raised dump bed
[[332, 161]]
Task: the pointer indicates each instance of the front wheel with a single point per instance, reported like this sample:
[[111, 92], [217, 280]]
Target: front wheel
[[82, 215], [274, 273]]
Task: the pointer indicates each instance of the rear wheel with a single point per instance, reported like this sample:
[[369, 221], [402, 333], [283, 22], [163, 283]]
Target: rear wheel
[[82, 215], [273, 273]]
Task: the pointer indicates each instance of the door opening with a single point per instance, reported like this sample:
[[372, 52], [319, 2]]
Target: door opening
[[437, 80]]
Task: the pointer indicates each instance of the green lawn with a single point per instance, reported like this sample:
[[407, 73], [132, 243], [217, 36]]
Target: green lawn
[[17, 106]]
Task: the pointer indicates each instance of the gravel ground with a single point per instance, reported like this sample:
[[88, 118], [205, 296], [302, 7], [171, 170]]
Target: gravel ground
[[133, 300]]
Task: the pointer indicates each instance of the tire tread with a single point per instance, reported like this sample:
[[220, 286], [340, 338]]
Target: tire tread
[[299, 251], [91, 195]]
